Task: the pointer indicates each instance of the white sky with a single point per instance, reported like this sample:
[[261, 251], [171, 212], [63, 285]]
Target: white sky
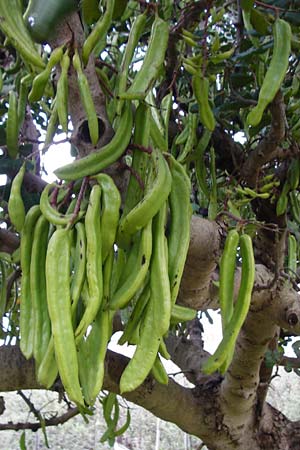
[[56, 156]]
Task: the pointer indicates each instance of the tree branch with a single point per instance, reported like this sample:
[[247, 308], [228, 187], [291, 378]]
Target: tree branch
[[34, 426], [9, 242], [188, 357], [19, 373], [196, 289], [240, 390], [288, 361], [267, 149]]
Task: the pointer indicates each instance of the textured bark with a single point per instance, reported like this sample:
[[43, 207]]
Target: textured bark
[[268, 148], [9, 242], [196, 287], [195, 410], [226, 412]]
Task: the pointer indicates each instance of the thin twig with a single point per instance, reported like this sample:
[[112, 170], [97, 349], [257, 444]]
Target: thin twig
[[80, 197], [31, 406], [136, 176], [52, 422], [267, 6], [141, 148]]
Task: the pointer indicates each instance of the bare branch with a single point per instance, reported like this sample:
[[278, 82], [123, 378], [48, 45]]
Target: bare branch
[[290, 362], [268, 148], [34, 426], [196, 289]]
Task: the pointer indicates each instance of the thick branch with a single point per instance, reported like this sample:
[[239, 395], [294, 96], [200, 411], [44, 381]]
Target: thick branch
[[231, 159], [30, 133], [33, 183], [188, 357], [9, 242], [289, 361], [157, 398], [163, 401], [240, 390], [196, 289], [276, 431]]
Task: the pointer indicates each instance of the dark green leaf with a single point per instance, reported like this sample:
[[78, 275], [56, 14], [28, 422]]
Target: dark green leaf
[[247, 4]]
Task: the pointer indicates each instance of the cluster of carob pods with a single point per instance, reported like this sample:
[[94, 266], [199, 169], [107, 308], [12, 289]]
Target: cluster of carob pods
[[82, 259]]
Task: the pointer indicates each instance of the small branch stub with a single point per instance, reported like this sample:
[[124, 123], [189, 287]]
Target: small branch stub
[[292, 318]]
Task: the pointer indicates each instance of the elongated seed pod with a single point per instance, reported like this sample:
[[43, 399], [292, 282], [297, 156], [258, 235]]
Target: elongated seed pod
[[156, 193], [13, 26], [159, 278], [22, 100], [227, 271], [145, 354], [79, 275], [157, 136], [62, 92], [282, 202], [59, 306], [136, 315], [189, 144], [93, 349], [102, 158], [110, 212], [201, 91], [292, 256], [220, 357], [99, 30], [40, 81], [12, 126], [159, 372], [96, 342], [16, 208], [48, 371], [226, 281], [93, 262], [276, 70], [133, 38], [152, 63], [181, 314], [42, 329], [52, 126], [140, 159], [179, 229], [26, 316], [87, 99], [134, 280]]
